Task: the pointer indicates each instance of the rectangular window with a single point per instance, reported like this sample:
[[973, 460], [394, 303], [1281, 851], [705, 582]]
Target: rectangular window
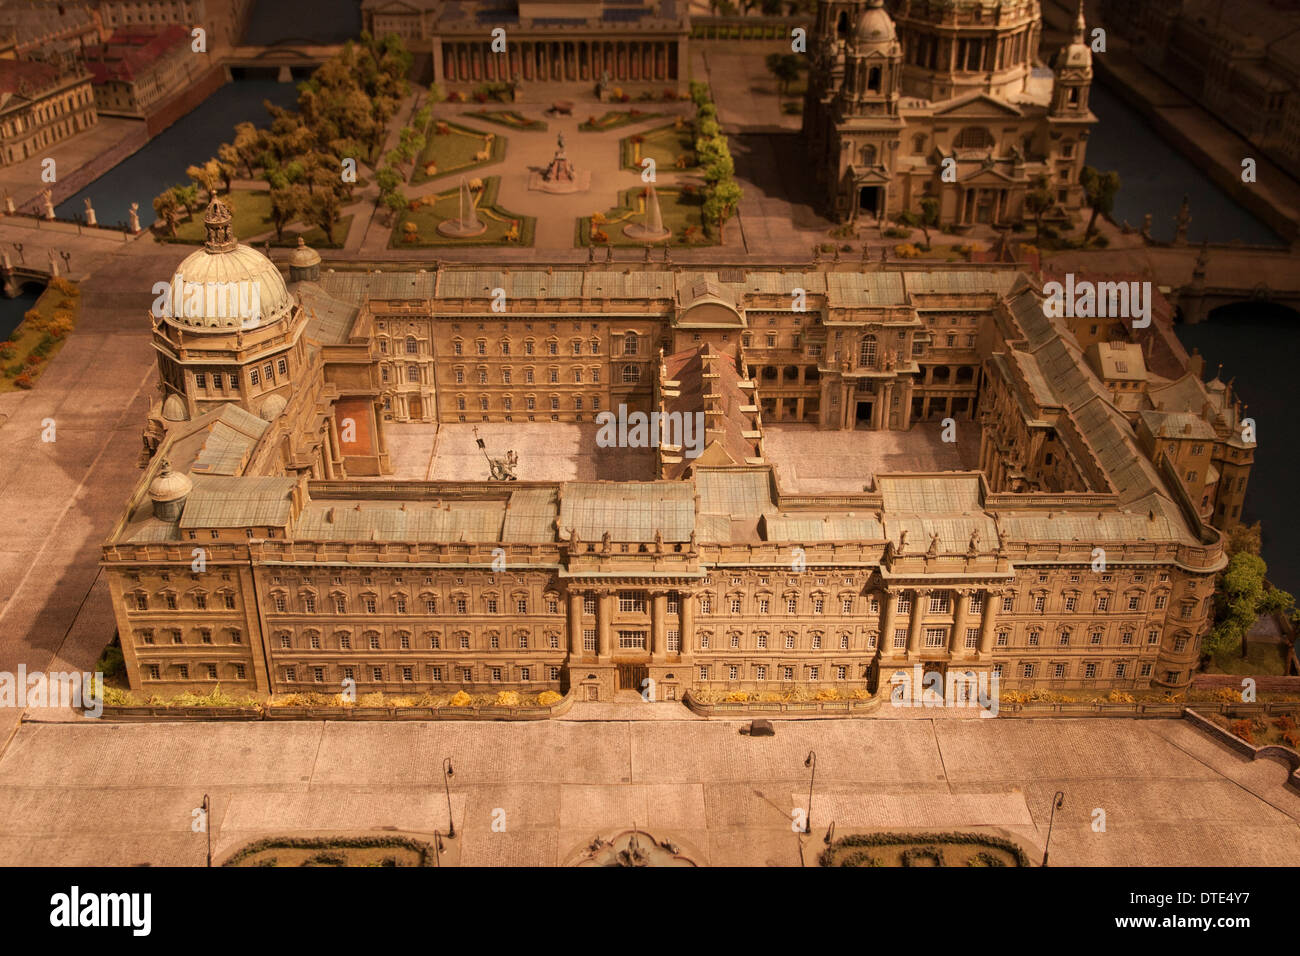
[[631, 602], [377, 674], [939, 602], [1008, 603], [674, 641], [841, 673], [936, 637], [1089, 671], [972, 638], [632, 640], [760, 672], [900, 637]]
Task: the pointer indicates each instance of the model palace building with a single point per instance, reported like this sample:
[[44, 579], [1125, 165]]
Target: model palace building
[[945, 99], [269, 548]]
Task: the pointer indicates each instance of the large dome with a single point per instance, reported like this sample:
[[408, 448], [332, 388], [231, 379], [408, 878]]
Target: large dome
[[226, 285], [875, 25]]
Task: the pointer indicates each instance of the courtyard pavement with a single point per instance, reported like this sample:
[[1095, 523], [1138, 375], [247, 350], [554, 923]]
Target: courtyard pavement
[[548, 451], [123, 794], [808, 460]]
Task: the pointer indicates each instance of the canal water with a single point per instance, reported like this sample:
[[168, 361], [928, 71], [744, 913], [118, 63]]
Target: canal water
[[11, 312], [192, 139], [285, 21], [1154, 177], [1257, 344]]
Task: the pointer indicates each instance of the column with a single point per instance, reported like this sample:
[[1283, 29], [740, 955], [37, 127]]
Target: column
[[988, 621], [575, 625], [658, 625], [438, 66], [604, 617], [327, 454], [957, 641], [921, 595], [686, 602], [886, 640]]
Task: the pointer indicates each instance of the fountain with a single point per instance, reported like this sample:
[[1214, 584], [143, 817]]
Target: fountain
[[560, 176], [631, 848], [467, 224], [652, 229]]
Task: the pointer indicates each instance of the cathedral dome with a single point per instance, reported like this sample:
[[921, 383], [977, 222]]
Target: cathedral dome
[[226, 285], [875, 25], [174, 409], [272, 407]]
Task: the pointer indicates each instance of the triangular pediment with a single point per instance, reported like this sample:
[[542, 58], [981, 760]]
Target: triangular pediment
[[987, 177], [974, 105]]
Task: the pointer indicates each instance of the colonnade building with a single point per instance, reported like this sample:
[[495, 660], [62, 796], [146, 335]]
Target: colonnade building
[[544, 42], [271, 545]]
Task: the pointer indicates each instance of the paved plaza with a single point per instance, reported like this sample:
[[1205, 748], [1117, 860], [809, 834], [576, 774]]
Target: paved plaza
[[103, 793], [548, 451], [808, 460]]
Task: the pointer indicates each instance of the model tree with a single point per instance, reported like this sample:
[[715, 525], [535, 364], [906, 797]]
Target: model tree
[[786, 67], [1099, 191]]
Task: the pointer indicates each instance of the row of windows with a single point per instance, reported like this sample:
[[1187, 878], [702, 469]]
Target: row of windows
[[530, 403], [222, 381], [170, 600], [758, 672], [147, 635], [400, 604], [1127, 637], [378, 673], [1088, 670], [201, 671], [631, 346], [580, 376], [433, 640]]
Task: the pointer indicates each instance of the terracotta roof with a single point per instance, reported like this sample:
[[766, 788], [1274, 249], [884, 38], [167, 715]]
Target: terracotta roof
[[127, 55]]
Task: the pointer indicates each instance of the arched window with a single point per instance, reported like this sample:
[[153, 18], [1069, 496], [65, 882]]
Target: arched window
[[973, 137], [867, 353], [631, 374], [411, 346], [630, 343], [918, 143]]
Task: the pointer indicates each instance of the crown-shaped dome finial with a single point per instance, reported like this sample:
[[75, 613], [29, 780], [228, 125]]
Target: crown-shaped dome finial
[[216, 222]]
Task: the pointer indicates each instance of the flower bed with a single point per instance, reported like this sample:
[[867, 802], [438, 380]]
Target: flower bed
[[681, 206], [511, 118], [613, 119], [670, 147], [37, 339], [452, 148], [740, 704], [334, 851], [923, 849], [503, 705], [504, 228]]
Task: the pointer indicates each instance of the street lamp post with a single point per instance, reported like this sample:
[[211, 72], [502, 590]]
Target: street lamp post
[[810, 761], [207, 824], [1057, 800], [447, 774]]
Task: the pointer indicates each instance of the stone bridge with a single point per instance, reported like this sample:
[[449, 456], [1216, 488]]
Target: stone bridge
[[1200, 279], [285, 58]]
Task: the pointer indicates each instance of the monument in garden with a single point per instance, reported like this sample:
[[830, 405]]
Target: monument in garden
[[560, 175]]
